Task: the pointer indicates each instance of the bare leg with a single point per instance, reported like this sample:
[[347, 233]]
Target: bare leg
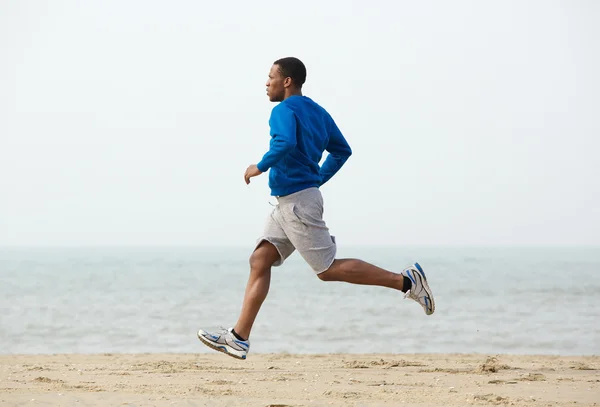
[[261, 261], [356, 271]]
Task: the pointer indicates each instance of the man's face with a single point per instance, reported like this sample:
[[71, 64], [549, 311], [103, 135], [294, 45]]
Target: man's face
[[276, 84]]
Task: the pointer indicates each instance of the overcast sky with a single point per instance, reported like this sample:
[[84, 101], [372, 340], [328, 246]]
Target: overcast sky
[[132, 122]]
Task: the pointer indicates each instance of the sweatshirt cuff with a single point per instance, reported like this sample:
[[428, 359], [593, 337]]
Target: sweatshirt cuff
[[262, 167]]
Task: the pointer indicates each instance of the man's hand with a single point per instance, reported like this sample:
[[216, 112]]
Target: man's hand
[[251, 171]]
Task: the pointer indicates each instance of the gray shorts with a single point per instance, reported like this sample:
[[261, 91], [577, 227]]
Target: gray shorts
[[297, 223]]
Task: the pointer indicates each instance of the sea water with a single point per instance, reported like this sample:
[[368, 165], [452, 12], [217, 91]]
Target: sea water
[[517, 300]]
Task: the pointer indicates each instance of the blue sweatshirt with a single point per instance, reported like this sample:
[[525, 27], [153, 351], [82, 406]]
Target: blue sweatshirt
[[301, 131]]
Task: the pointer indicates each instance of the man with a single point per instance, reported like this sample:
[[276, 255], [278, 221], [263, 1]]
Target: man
[[301, 131]]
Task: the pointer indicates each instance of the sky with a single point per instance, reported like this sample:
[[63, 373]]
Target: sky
[[132, 122]]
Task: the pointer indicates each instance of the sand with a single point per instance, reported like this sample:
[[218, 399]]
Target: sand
[[298, 380]]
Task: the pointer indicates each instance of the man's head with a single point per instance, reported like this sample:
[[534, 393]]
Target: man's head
[[286, 77]]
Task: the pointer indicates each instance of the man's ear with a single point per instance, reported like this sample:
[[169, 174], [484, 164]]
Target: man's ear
[[287, 82]]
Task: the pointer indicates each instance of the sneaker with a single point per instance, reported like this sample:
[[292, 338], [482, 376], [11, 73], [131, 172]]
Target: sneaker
[[224, 341], [420, 291]]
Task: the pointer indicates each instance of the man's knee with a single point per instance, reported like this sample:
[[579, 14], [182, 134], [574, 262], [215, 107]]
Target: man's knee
[[264, 256], [329, 274], [325, 276]]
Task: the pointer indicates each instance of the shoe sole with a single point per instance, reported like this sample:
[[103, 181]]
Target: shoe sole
[[220, 348], [423, 279]]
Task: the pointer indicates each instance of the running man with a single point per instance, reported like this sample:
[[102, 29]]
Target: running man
[[301, 131]]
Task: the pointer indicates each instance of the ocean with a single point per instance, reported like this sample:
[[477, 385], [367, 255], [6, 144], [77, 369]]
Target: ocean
[[516, 300]]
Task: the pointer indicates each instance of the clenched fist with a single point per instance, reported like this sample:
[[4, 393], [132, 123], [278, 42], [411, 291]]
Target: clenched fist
[[251, 171]]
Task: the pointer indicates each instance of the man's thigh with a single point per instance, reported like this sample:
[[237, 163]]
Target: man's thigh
[[303, 224], [274, 234]]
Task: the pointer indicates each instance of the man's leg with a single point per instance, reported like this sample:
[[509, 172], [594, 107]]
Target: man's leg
[[234, 341], [412, 280], [356, 271], [304, 226], [261, 261]]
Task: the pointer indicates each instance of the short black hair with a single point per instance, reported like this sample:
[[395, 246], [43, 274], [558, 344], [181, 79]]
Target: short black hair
[[294, 68]]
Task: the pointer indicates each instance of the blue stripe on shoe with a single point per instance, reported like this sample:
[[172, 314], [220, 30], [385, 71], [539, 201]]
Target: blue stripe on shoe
[[427, 302], [418, 266], [242, 344], [411, 276]]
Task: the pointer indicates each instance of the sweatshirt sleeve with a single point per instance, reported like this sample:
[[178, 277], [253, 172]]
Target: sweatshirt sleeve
[[339, 151], [283, 136]]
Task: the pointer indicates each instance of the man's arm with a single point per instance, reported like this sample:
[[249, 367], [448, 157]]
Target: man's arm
[[283, 137], [339, 151]]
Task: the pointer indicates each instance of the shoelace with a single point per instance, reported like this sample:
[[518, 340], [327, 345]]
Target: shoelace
[[222, 331]]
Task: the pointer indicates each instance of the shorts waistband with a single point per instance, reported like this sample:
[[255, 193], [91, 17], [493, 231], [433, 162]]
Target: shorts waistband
[[297, 195]]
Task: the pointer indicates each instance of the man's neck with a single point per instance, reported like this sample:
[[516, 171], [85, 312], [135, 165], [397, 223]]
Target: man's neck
[[295, 92]]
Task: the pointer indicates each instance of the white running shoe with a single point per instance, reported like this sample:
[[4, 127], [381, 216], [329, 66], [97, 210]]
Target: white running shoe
[[420, 291], [224, 341]]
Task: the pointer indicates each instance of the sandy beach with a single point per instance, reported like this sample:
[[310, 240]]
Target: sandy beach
[[280, 380]]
